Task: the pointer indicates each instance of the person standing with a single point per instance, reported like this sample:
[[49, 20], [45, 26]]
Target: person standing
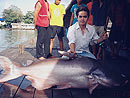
[[89, 5], [73, 10], [127, 35], [81, 34], [41, 21], [99, 14], [117, 33], [57, 12]]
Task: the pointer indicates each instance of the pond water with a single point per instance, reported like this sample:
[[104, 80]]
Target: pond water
[[10, 38]]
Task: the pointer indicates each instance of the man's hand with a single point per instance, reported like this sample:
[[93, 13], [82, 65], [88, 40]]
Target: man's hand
[[72, 48], [71, 51], [104, 36]]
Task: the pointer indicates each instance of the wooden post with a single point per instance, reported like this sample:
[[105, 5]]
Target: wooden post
[[21, 48]]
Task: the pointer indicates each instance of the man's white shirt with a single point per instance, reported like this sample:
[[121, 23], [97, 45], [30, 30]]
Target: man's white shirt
[[81, 41]]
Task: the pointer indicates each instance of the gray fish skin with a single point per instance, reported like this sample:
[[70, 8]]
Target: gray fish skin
[[81, 72]]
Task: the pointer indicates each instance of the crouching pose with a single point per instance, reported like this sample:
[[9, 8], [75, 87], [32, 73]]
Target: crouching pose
[[81, 34]]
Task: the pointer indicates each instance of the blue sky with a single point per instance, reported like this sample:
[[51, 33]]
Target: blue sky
[[24, 5]]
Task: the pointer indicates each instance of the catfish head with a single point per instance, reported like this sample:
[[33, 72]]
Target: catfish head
[[109, 78]]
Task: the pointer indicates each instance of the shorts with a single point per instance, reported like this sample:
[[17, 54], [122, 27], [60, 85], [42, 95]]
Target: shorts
[[56, 30], [99, 30]]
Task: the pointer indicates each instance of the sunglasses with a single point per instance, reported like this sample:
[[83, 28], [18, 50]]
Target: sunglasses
[[83, 16]]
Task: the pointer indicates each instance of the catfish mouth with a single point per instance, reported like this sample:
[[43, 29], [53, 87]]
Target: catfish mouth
[[104, 77], [103, 80], [107, 82]]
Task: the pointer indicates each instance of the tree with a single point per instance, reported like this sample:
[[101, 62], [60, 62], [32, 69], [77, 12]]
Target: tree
[[28, 18], [13, 14]]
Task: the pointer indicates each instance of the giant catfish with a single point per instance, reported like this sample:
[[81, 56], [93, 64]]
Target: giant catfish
[[80, 72]]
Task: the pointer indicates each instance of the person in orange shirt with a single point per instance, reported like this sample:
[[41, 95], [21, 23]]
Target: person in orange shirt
[[89, 5], [99, 12]]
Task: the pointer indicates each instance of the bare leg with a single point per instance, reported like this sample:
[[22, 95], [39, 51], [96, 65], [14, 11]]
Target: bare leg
[[103, 55], [112, 48], [118, 49], [98, 54], [51, 45], [61, 43], [94, 49]]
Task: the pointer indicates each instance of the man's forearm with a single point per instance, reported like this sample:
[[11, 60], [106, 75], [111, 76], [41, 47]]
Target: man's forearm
[[100, 40], [35, 17], [71, 19], [72, 47]]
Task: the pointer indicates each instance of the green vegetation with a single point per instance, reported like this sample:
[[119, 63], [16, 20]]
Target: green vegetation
[[13, 14], [2, 26], [28, 18]]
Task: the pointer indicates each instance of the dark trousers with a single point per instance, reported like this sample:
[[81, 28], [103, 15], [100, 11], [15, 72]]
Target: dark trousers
[[43, 40]]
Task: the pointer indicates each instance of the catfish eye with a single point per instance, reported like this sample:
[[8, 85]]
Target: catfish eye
[[1, 71]]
